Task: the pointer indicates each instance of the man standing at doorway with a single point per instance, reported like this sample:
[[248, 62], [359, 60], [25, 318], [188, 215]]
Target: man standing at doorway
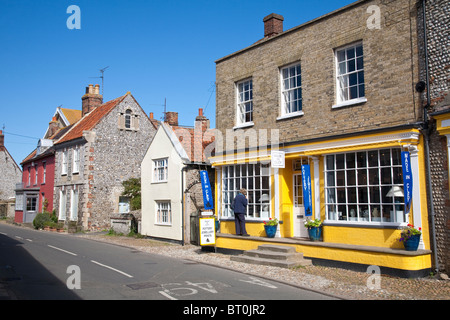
[[240, 209]]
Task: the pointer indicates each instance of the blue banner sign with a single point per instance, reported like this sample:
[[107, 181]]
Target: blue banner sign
[[306, 184], [407, 180], [207, 192]]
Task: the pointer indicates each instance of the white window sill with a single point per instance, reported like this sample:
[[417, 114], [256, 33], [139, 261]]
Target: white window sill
[[368, 224], [244, 125], [157, 182], [349, 103], [291, 115]]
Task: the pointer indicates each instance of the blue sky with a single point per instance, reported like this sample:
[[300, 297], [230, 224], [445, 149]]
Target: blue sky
[[157, 50]]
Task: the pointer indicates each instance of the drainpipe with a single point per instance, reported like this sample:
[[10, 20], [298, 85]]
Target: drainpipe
[[183, 170], [427, 140]]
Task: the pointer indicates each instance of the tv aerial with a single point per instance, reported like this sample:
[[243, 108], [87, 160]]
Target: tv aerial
[[102, 77]]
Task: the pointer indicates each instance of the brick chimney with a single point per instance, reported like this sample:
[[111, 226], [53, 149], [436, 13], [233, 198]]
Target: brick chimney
[[201, 120], [273, 25], [2, 141], [171, 118], [91, 100], [53, 127]]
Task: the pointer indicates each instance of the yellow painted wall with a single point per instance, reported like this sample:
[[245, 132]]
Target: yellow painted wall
[[390, 260], [368, 236]]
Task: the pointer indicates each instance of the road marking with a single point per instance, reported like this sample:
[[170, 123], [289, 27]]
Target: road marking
[[259, 282], [20, 238], [3, 233], [29, 240], [111, 268], [167, 295], [68, 252]]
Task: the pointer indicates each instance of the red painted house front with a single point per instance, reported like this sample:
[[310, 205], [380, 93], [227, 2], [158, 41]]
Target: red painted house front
[[37, 183]]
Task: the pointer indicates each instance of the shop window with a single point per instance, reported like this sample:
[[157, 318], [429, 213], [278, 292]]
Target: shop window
[[253, 177], [31, 204], [365, 186]]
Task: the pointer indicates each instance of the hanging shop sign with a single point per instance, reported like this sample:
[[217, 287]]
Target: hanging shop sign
[[306, 184], [407, 180], [278, 159], [207, 191]]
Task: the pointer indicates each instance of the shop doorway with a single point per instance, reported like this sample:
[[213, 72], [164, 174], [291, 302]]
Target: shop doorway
[[300, 230]]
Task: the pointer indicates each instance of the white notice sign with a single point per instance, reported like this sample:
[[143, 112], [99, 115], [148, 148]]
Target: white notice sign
[[277, 159], [207, 231]]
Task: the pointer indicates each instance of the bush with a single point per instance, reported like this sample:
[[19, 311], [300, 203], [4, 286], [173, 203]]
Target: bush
[[41, 220]]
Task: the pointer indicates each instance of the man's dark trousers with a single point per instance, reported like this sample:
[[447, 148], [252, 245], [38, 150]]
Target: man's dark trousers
[[239, 221]]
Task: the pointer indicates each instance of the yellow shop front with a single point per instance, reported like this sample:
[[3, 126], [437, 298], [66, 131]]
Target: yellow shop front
[[356, 189]]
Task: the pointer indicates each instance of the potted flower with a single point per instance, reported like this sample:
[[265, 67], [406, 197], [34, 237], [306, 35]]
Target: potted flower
[[314, 229], [271, 227], [410, 237]]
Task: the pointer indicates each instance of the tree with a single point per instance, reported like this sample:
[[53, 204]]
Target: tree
[[132, 190]]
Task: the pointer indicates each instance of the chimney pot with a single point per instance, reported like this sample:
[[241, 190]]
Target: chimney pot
[[151, 115], [200, 112], [273, 25]]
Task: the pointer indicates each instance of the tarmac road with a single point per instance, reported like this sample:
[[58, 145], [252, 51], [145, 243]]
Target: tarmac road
[[45, 265]]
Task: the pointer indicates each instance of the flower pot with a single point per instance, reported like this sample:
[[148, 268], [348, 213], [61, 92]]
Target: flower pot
[[217, 226], [270, 231], [315, 233], [412, 244]]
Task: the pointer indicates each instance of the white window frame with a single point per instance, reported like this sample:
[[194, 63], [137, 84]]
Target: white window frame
[[163, 212], [74, 198], [244, 99], [44, 172], [36, 174], [253, 177], [29, 176], [33, 202], [369, 192], [64, 167], [128, 119], [290, 87], [62, 205], [160, 170], [76, 160], [343, 75]]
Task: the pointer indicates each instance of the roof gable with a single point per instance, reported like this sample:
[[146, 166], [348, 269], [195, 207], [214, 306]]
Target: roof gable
[[90, 120]]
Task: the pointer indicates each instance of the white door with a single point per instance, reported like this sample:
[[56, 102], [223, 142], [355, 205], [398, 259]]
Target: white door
[[299, 208]]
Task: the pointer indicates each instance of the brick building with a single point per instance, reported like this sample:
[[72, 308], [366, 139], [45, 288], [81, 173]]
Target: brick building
[[96, 155], [35, 192], [337, 94]]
